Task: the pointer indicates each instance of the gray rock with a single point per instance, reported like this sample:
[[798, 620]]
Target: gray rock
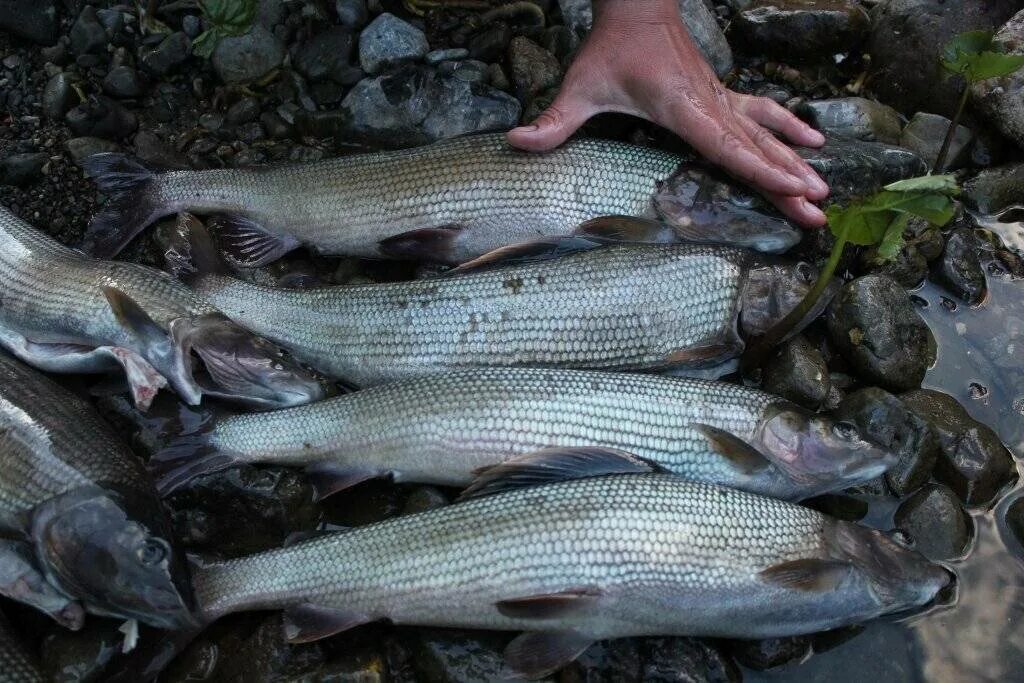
[[150, 149], [123, 81], [243, 111], [762, 655], [388, 41], [192, 25], [906, 40], [909, 267], [325, 55], [211, 121], [1001, 99], [351, 13], [855, 168], [496, 77], [531, 68], [58, 96], [798, 372], [21, 169], [468, 70], [416, 105], [450, 54], [973, 461], [802, 28], [685, 660], [112, 20], [1014, 520], [925, 133], [699, 20], [87, 34], [960, 270], [935, 522], [271, 13], [275, 126], [885, 420], [995, 189], [876, 327], [606, 660], [82, 148], [101, 117], [853, 117], [34, 20], [169, 53], [490, 44], [460, 656], [240, 59]]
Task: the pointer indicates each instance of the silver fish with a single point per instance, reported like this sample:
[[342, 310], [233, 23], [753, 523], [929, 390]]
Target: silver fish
[[450, 201], [63, 311], [628, 553], [441, 429], [16, 664], [599, 306], [86, 508]]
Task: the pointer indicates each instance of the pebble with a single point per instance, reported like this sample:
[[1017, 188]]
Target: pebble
[[82, 148], [1001, 100], [857, 168], [58, 97], [325, 55], [489, 45], [935, 522], [853, 117], [124, 82], [802, 28], [88, 36], [924, 135], [274, 125], [245, 58], [424, 498], [21, 169], [677, 660], [972, 461], [995, 189], [243, 111], [388, 41], [211, 121], [351, 13], [531, 68], [761, 655], [102, 117], [192, 25], [884, 419], [798, 372], [169, 53], [960, 269], [34, 20], [456, 656], [876, 327], [446, 55]]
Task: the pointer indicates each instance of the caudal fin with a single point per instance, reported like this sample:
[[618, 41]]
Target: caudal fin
[[133, 202], [184, 459]]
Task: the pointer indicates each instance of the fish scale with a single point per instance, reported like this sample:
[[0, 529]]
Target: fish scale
[[616, 307], [52, 442], [440, 429], [15, 664], [496, 194], [673, 557]]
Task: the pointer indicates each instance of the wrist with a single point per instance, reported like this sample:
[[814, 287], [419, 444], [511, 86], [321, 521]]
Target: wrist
[[635, 12]]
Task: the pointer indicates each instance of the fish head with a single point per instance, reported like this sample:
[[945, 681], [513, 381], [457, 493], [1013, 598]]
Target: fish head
[[898, 577], [773, 288], [114, 552], [818, 452], [246, 368], [699, 205]]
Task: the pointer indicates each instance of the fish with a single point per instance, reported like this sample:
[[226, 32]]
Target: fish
[[447, 202], [64, 312], [82, 526], [575, 546], [572, 303], [441, 429], [16, 664]]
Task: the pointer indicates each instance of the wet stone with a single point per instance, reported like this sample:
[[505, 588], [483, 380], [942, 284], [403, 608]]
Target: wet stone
[[450, 54], [995, 189], [888, 422], [856, 168], [762, 655], [123, 81], [1014, 520], [925, 133], [451, 656], [686, 660], [853, 117], [169, 53], [82, 148], [240, 59], [1001, 99], [972, 461], [34, 20], [606, 661], [101, 117], [489, 45], [351, 13], [960, 270], [909, 268], [325, 55], [531, 68], [58, 96], [243, 111], [88, 36], [21, 169], [935, 521], [387, 41], [798, 372], [802, 28], [876, 327]]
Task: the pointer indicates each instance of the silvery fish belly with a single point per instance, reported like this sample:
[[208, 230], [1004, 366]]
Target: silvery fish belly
[[626, 553], [69, 489], [442, 428], [450, 201], [636, 307], [63, 311]]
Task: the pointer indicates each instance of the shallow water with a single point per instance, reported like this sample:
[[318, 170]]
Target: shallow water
[[980, 361]]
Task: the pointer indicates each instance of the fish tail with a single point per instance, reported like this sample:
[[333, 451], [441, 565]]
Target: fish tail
[[184, 458], [134, 202]]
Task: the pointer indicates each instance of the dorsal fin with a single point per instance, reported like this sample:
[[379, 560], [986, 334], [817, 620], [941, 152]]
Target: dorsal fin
[[529, 252], [555, 464]]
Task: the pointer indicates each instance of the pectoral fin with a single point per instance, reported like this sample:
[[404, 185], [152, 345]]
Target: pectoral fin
[[810, 576], [742, 455], [426, 244], [529, 252], [537, 654], [550, 605], [307, 622], [703, 355], [627, 229], [328, 478]]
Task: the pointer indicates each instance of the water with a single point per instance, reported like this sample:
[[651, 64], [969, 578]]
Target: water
[[980, 361]]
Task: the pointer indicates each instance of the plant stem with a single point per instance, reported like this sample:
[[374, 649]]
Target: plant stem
[[940, 161], [757, 353]]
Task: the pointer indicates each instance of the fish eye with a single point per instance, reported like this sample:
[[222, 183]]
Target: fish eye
[[902, 538], [152, 552], [845, 430]]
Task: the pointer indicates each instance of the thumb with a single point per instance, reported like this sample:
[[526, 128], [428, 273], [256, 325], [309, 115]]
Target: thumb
[[554, 125]]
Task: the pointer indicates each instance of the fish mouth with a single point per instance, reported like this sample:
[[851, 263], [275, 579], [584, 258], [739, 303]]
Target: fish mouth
[[233, 364]]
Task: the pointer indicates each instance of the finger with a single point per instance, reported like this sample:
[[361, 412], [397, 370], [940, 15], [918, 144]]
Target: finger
[[798, 209], [776, 117], [784, 156], [554, 125], [731, 149]]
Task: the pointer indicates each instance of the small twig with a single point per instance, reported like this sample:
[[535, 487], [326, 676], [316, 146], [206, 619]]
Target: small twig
[[940, 161]]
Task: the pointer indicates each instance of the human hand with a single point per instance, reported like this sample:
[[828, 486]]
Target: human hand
[[640, 59]]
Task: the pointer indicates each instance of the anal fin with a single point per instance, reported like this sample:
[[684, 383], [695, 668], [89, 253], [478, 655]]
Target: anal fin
[[425, 244], [306, 622], [328, 478], [536, 654], [247, 244]]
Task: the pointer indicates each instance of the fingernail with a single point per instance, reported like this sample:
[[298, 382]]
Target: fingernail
[[816, 183], [532, 128], [817, 136]]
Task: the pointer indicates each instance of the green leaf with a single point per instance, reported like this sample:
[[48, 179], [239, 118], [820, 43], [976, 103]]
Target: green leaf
[[231, 17], [946, 184], [892, 241], [974, 56], [993, 65], [204, 45], [955, 52]]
